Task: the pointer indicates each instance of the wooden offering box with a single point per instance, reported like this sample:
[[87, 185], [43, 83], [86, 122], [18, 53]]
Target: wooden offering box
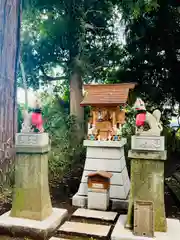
[[99, 180], [107, 114], [98, 190]]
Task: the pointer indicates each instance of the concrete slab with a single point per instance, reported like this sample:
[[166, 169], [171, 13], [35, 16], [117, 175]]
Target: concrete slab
[[85, 229], [120, 233], [105, 144], [55, 238], [109, 164], [32, 228], [117, 204], [100, 215]]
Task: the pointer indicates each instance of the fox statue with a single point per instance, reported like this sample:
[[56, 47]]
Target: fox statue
[[33, 121], [153, 120]]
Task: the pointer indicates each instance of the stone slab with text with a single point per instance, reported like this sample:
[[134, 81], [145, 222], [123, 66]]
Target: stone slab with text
[[149, 143], [32, 142]]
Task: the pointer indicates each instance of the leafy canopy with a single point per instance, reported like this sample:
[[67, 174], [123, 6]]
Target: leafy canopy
[[74, 35], [153, 54]]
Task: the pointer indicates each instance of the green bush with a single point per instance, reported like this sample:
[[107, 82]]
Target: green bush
[[67, 152]]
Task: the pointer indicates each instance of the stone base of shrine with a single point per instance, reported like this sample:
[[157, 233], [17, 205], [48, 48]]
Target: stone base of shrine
[[21, 227], [115, 204], [106, 156], [121, 233]]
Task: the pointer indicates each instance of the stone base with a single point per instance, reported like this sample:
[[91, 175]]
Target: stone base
[[115, 204], [121, 233], [106, 156], [32, 228]]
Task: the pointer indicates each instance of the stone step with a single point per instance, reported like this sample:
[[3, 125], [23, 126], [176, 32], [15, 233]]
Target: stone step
[[95, 214], [84, 230], [56, 238]]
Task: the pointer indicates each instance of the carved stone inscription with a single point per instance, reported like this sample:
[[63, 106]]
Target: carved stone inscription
[[153, 143], [148, 143], [27, 139]]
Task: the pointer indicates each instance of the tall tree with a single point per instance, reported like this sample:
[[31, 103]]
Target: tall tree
[[153, 53], [74, 35], [9, 46]]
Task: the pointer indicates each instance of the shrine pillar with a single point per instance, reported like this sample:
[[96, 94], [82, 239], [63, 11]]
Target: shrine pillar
[[147, 177]]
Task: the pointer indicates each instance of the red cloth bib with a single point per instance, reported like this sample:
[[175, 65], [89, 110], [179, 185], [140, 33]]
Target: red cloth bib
[[37, 120], [140, 119]]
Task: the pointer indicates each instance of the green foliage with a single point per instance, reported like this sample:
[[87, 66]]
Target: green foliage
[[132, 9], [152, 54], [72, 35], [66, 152]]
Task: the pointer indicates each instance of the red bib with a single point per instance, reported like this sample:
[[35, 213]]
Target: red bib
[[37, 120], [140, 119]]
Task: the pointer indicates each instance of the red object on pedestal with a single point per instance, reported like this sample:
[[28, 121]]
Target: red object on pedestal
[[140, 119], [37, 121]]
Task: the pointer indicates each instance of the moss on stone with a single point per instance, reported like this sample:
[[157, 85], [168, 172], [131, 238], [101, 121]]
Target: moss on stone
[[147, 183], [31, 197], [18, 203]]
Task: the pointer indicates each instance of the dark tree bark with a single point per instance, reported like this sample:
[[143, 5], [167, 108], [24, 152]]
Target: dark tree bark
[[76, 97], [9, 55]]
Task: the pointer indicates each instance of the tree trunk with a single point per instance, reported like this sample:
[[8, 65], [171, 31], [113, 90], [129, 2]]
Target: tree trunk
[[9, 53], [24, 83], [75, 99]]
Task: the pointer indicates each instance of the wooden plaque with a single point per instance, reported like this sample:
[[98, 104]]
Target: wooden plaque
[[143, 218]]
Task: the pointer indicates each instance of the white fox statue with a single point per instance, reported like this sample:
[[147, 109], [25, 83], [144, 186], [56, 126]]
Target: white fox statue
[[153, 120]]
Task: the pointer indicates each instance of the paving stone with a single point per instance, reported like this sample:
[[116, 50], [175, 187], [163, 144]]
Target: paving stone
[[100, 215], [121, 233], [32, 228], [56, 238], [84, 229]]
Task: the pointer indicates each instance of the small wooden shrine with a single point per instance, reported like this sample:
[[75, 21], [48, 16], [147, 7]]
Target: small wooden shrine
[[107, 115]]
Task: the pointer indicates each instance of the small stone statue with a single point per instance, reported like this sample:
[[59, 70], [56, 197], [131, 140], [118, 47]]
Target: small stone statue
[[91, 129], [153, 120], [26, 125], [33, 121]]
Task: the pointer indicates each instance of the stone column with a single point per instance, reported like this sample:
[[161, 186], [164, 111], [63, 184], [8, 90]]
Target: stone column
[[31, 197], [147, 177]]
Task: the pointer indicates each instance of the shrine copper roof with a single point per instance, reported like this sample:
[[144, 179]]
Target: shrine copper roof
[[100, 173], [106, 94]]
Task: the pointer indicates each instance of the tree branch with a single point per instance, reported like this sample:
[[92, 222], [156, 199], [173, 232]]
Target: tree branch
[[49, 78]]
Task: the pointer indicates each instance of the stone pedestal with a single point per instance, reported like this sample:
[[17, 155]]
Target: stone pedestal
[[107, 156], [121, 233], [147, 177], [31, 197]]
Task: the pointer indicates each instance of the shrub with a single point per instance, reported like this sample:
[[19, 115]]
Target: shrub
[[67, 152]]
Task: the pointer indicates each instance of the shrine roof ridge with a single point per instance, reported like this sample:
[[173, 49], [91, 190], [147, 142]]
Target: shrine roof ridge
[[101, 173], [106, 94], [133, 84]]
